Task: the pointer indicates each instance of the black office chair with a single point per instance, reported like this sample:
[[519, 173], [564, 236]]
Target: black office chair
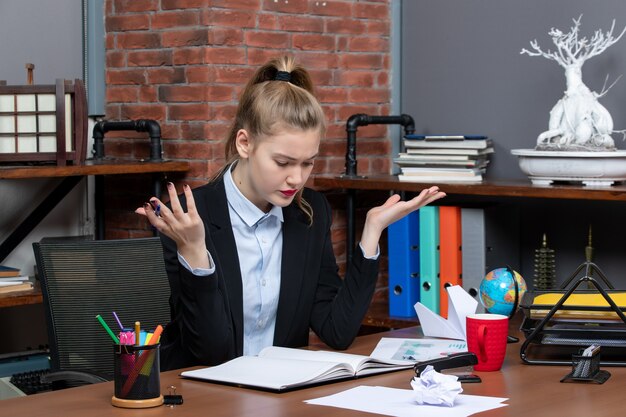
[[83, 278]]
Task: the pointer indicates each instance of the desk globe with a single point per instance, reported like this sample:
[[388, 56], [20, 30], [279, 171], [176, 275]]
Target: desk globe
[[497, 291]]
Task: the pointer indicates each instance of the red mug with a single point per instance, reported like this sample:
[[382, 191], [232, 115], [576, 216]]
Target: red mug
[[487, 337]]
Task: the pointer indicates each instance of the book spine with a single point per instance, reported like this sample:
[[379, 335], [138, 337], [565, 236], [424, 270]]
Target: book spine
[[429, 257], [446, 137], [438, 179], [404, 281], [450, 262], [454, 144]]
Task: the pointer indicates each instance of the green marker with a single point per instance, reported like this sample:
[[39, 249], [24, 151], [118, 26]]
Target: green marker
[[101, 320]]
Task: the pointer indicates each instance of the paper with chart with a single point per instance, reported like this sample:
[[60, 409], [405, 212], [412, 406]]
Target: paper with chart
[[460, 305], [416, 350], [402, 403]]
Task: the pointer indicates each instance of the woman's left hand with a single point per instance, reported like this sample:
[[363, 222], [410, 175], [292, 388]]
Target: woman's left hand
[[378, 218]]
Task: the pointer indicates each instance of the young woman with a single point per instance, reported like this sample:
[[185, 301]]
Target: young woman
[[249, 255]]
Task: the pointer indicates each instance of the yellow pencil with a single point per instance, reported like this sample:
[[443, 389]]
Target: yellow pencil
[[137, 333]]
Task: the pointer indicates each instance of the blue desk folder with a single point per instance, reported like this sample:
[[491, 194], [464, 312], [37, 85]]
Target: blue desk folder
[[404, 265]]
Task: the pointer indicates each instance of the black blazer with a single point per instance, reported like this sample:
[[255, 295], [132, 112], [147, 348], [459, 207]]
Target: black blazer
[[207, 312]]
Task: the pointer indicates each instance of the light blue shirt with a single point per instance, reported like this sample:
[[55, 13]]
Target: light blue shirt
[[259, 240]]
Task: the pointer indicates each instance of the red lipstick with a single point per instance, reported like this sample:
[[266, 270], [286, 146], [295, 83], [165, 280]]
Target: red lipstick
[[288, 193]]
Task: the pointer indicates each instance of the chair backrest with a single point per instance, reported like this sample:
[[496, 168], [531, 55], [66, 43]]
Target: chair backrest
[[83, 278]]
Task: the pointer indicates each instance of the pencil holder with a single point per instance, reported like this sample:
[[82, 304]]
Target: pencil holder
[[136, 376], [586, 369]]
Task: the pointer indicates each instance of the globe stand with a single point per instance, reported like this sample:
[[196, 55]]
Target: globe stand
[[512, 339], [509, 338]]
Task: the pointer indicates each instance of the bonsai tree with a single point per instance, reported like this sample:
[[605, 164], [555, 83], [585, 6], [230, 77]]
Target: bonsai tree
[[578, 121]]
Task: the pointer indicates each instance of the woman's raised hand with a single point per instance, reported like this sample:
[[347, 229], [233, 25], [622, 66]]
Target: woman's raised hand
[[184, 228], [378, 218]]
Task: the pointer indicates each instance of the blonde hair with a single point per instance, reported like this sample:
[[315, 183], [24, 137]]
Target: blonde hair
[[268, 105]]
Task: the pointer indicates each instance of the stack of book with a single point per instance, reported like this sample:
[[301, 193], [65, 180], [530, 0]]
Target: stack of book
[[444, 158], [12, 281]]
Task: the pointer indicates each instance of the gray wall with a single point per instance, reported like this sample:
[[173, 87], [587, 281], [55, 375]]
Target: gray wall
[[47, 33], [462, 71]]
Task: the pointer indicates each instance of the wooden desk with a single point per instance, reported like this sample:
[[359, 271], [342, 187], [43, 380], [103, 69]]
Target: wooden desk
[[532, 390]]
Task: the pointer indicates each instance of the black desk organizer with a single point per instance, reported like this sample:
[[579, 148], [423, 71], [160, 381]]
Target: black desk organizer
[[586, 369], [554, 342]]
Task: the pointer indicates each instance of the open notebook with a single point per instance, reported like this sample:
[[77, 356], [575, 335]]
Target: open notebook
[[279, 369]]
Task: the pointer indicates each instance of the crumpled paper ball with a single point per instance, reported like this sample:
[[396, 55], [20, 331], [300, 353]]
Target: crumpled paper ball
[[434, 388]]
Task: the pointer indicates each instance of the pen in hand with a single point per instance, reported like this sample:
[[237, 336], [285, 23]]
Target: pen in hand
[[156, 207]]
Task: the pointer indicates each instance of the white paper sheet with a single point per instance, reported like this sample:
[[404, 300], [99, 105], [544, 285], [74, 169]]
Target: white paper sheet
[[416, 350], [460, 305], [401, 403]]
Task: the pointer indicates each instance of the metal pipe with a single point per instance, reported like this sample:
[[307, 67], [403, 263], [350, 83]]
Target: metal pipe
[[352, 126], [142, 125], [361, 119]]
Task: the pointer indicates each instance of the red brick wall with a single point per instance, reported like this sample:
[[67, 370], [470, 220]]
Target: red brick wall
[[184, 62]]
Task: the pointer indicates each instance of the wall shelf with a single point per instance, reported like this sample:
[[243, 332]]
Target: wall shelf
[[497, 188], [19, 298], [103, 167]]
